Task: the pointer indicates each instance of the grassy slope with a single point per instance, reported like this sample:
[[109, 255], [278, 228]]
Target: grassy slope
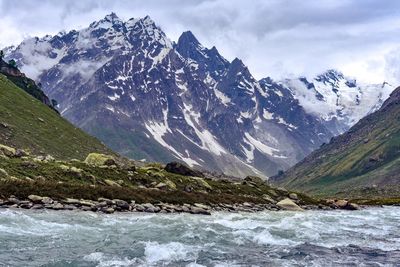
[[76, 179], [35, 127], [364, 162]]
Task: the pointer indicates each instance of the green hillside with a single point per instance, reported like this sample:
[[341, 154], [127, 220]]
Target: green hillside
[[363, 162], [27, 123]]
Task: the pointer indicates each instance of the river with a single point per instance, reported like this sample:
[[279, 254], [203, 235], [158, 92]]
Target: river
[[368, 237]]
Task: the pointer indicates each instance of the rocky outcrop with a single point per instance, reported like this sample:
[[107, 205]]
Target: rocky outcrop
[[182, 169]]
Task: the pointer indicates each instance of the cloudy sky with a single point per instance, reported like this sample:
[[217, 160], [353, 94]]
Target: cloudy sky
[[277, 38]]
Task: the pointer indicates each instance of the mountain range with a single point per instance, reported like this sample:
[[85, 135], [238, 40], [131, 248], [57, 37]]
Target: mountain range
[[149, 98]]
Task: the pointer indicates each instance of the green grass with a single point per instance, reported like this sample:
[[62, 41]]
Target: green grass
[[53, 179], [37, 128]]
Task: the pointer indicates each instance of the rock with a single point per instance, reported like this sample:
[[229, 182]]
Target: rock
[[25, 204], [71, 201], [35, 198], [188, 189], [273, 193], [19, 153], [47, 200], [195, 210], [58, 206], [288, 204], [122, 204], [268, 198], [106, 200], [86, 203], [70, 207], [179, 168], [96, 159], [7, 151], [167, 184], [293, 196], [139, 207], [150, 207], [37, 207], [203, 183], [254, 179], [341, 203], [161, 186], [201, 206], [111, 183], [29, 164], [108, 210], [3, 173], [156, 174], [352, 206], [49, 158], [13, 200]]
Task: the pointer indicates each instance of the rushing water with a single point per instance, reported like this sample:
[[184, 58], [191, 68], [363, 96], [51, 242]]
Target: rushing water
[[369, 237]]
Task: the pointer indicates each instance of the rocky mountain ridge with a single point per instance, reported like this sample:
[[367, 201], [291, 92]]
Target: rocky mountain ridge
[[149, 98]]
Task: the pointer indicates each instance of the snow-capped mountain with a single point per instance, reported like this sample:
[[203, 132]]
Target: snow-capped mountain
[[149, 98], [338, 100]]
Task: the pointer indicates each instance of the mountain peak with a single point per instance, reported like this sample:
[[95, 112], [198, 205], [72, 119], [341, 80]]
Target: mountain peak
[[188, 38], [111, 17], [147, 21], [108, 21], [330, 74]]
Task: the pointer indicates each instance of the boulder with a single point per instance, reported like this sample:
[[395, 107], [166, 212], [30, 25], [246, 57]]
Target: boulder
[[111, 183], [35, 198], [71, 201], [254, 179], [108, 210], [58, 206], [195, 210], [293, 196], [3, 173], [179, 168], [268, 198], [148, 207], [7, 151], [341, 203], [21, 153], [352, 206], [288, 204], [87, 203], [201, 206], [96, 159], [166, 184], [47, 200], [122, 204]]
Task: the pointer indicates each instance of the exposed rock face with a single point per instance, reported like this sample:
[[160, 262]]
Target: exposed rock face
[[126, 83]]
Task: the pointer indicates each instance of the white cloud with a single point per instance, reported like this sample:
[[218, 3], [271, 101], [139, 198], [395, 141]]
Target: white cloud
[[392, 66]]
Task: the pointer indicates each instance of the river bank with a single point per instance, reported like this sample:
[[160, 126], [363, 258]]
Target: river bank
[[103, 205]]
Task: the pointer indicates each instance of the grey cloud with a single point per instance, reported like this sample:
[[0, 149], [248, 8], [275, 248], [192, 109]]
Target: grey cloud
[[273, 37]]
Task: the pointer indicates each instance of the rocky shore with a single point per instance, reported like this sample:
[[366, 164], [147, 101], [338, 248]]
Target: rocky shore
[[108, 206]]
